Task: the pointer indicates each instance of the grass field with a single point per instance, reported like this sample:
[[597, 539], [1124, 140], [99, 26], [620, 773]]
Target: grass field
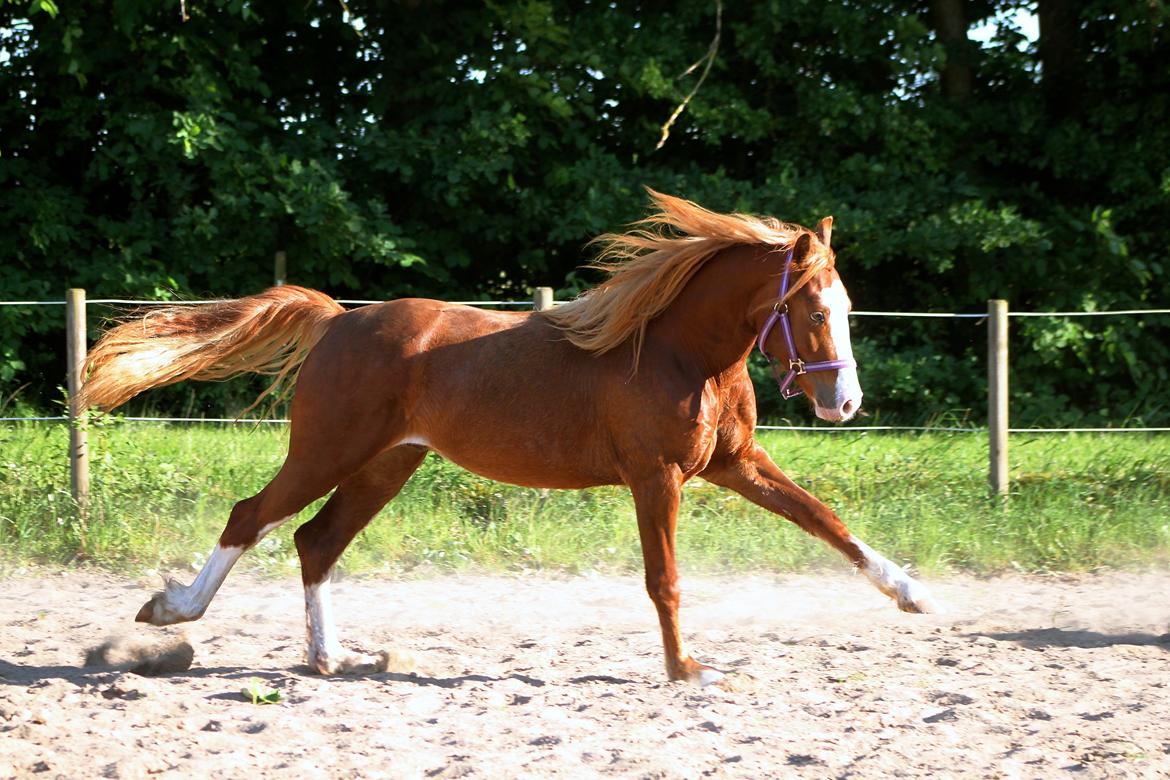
[[162, 494]]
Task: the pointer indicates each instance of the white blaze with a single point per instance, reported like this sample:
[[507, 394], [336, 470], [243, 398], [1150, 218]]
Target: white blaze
[[836, 301]]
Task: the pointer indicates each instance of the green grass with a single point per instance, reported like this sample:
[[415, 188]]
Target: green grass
[[160, 496]]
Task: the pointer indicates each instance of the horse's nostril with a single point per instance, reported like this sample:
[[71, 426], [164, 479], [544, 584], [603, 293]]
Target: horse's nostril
[[848, 407]]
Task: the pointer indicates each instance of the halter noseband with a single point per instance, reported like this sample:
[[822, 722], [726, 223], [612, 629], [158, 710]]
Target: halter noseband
[[796, 366]]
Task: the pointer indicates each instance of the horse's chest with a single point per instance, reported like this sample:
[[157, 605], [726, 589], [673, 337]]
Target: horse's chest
[[702, 431]]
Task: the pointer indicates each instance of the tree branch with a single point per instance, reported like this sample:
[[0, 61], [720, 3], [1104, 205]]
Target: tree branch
[[709, 58]]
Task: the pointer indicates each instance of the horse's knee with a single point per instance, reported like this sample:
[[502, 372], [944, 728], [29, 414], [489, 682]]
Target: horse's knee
[[663, 590]]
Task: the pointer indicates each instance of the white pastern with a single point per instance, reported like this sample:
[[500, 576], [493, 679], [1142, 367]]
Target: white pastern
[[834, 299], [910, 594], [324, 651], [179, 603], [323, 642]]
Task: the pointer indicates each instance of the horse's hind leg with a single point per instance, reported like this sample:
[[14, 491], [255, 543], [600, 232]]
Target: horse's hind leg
[[296, 485], [314, 466], [321, 541]]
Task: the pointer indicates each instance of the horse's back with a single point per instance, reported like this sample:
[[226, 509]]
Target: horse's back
[[501, 393]]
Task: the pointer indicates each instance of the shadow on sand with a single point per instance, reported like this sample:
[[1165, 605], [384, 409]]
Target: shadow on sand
[[1042, 638]]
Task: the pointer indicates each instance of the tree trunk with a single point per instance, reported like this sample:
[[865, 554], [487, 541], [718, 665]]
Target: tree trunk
[[950, 24], [1059, 59]]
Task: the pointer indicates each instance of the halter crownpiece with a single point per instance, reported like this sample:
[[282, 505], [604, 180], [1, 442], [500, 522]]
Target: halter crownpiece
[[796, 366]]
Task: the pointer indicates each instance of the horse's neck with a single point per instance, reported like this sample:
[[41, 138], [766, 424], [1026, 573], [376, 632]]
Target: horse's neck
[[714, 321]]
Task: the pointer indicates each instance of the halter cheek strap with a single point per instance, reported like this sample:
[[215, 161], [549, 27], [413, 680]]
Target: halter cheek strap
[[796, 366]]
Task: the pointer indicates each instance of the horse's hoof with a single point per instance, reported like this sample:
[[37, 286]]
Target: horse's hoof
[[732, 682], [914, 597], [146, 614], [927, 606], [157, 613], [709, 676], [358, 664], [166, 607], [694, 672]]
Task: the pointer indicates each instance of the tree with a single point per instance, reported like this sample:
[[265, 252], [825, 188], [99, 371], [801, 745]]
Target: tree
[[463, 150]]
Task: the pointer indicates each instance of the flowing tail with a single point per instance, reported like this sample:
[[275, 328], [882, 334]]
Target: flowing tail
[[270, 333]]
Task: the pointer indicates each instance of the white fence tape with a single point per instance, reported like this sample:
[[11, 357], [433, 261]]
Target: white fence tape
[[821, 429]]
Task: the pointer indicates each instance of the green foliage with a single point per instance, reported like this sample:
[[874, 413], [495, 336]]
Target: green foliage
[[470, 150]]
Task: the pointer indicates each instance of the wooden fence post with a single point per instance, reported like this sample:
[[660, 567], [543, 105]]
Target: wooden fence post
[[542, 298], [997, 395], [75, 352]]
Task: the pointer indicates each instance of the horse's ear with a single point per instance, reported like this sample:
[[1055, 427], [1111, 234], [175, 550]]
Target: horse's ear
[[825, 231], [802, 246]]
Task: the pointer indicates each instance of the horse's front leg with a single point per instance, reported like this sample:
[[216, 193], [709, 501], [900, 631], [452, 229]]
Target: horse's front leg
[[656, 500], [752, 474]]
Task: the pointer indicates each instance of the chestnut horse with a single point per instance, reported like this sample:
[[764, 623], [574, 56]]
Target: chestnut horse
[[641, 381]]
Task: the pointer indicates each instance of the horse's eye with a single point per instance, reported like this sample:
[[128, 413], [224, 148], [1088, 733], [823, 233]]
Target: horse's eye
[[818, 317]]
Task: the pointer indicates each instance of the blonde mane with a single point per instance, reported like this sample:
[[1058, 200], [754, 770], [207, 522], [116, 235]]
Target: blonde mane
[[649, 266]]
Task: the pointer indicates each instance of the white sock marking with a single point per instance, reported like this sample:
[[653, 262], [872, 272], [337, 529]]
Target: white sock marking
[[181, 602], [323, 641], [271, 527], [890, 579]]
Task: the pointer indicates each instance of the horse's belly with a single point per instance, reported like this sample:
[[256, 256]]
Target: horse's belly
[[527, 462]]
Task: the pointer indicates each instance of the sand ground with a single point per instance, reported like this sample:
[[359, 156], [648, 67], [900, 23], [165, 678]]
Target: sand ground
[[535, 675]]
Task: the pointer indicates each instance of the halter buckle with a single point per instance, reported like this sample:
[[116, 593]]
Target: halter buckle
[[796, 366], [776, 307]]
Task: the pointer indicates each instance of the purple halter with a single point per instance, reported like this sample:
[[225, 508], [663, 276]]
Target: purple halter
[[796, 366]]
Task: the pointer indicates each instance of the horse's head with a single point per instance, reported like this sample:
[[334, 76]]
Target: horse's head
[[808, 333]]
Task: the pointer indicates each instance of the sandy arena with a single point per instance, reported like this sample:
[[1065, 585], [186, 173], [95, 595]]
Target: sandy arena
[[536, 675]]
